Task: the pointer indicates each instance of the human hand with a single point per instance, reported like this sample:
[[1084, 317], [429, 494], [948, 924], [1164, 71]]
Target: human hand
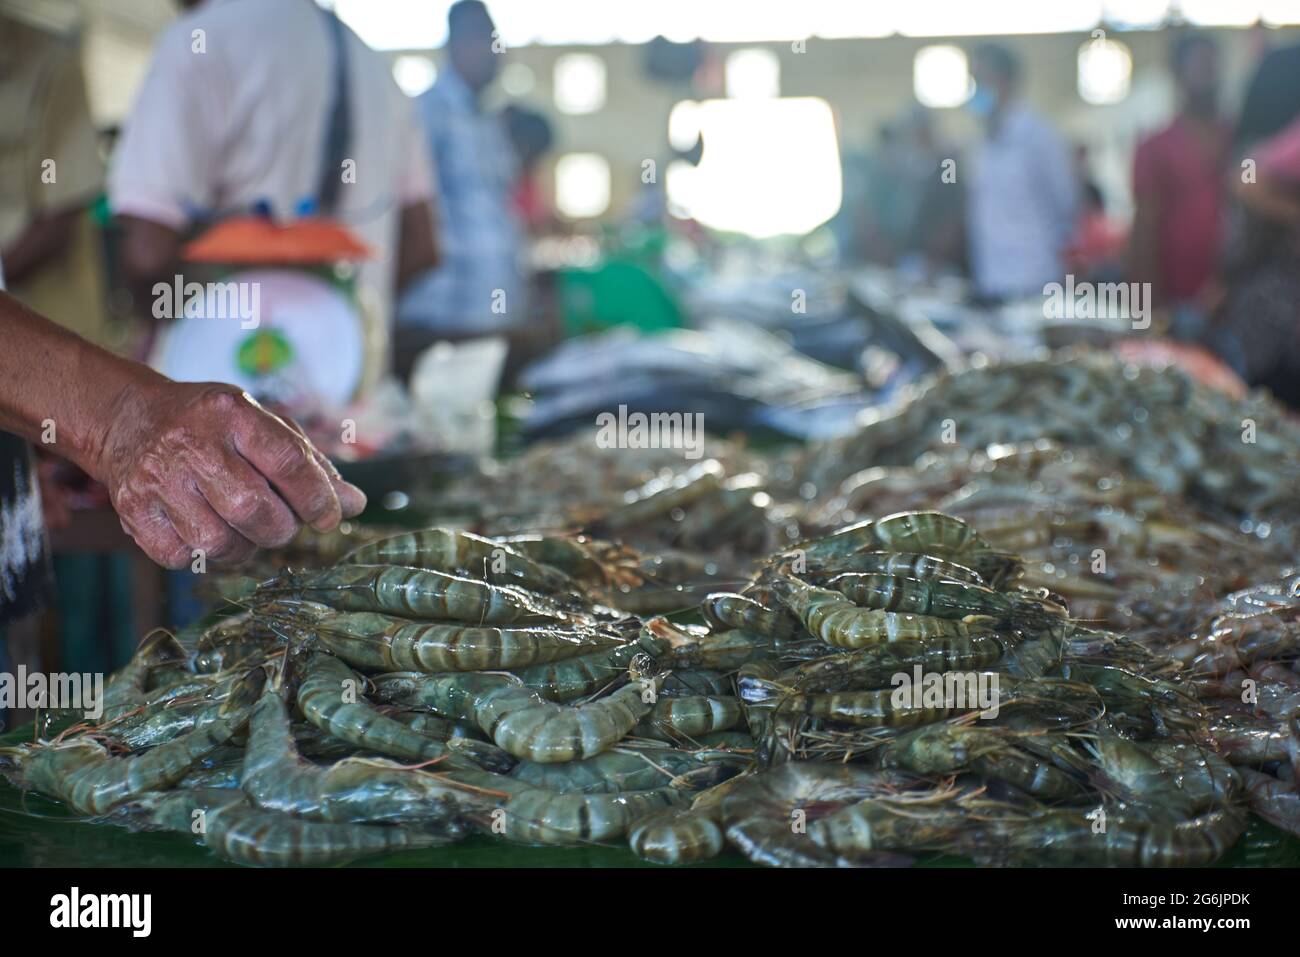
[[202, 466]]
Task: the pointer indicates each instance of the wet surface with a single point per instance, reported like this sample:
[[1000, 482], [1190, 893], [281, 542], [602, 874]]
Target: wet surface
[[38, 832]]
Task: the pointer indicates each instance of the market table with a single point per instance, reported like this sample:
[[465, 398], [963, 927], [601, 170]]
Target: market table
[[38, 832]]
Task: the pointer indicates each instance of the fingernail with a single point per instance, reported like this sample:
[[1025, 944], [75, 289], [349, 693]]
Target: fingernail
[[328, 523], [357, 497]]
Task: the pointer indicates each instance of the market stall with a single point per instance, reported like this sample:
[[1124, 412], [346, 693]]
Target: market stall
[[798, 484]]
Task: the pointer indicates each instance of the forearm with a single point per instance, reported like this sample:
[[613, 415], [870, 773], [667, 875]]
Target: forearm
[[417, 247], [43, 240], [150, 252], [55, 385]]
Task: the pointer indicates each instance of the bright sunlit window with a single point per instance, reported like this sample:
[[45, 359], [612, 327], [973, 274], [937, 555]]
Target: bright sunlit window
[[753, 73], [403, 25], [582, 185], [1137, 13], [1280, 12], [679, 181], [517, 79], [1224, 13], [955, 18], [941, 76], [392, 24], [771, 167], [579, 83], [1105, 71], [684, 125], [414, 74]]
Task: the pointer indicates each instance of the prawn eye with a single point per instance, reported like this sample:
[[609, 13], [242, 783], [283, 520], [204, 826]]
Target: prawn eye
[[642, 665]]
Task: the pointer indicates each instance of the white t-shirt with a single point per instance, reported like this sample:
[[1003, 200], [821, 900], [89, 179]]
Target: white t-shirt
[[1020, 207], [234, 110]]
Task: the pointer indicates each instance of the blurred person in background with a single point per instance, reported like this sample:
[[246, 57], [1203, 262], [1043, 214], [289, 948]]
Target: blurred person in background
[[1098, 248], [860, 224], [1256, 330], [852, 226], [907, 165], [50, 176], [886, 188], [531, 136], [1022, 194], [26, 579], [940, 240], [272, 108], [1179, 192], [478, 288], [239, 113]]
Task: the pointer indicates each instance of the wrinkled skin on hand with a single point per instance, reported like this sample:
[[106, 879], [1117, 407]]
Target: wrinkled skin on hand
[[203, 466]]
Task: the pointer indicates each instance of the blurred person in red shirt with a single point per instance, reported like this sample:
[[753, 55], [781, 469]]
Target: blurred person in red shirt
[[1256, 329], [1097, 250], [1179, 190], [531, 136]]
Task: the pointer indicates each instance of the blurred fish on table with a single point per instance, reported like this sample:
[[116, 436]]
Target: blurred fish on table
[[736, 375]]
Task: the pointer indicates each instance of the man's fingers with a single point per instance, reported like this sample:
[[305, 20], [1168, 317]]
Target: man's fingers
[[351, 499], [242, 551], [154, 533], [212, 471], [201, 528], [286, 460], [240, 495]]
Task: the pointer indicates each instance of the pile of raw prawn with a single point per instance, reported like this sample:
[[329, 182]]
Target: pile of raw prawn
[[885, 692]]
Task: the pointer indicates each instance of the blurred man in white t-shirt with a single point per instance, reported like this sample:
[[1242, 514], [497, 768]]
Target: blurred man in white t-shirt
[[1022, 192], [479, 287], [234, 116]]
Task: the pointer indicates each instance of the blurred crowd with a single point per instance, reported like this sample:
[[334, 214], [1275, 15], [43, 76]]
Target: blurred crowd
[[1215, 229], [446, 190], [442, 189]]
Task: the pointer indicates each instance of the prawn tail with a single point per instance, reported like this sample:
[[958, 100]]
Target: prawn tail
[[159, 647]]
